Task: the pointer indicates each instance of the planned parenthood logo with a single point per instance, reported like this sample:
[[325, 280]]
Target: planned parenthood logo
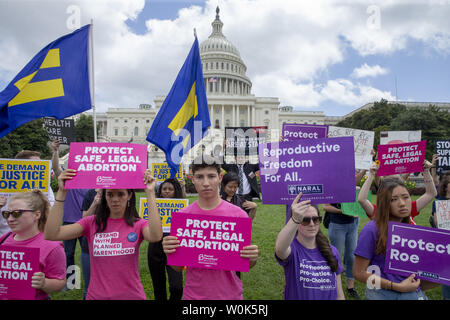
[[102, 180], [207, 259], [305, 189]]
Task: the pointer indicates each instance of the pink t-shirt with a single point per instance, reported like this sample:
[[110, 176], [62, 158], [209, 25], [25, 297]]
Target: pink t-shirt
[[52, 259], [207, 284], [114, 259]]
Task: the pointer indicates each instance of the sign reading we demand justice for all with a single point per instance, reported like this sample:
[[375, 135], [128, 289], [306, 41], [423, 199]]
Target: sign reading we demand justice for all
[[420, 250], [17, 266], [107, 165], [208, 241], [166, 208], [322, 169], [161, 171], [24, 175]]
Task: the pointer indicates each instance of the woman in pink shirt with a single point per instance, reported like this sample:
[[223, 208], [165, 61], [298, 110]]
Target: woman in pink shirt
[[114, 234], [26, 216]]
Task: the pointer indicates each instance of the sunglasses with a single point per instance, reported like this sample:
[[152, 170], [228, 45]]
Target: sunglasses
[[307, 220], [15, 213]]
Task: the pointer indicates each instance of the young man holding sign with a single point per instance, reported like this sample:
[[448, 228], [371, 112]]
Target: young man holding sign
[[202, 283]]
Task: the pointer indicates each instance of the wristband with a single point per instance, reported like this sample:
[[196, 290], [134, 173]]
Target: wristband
[[60, 200]]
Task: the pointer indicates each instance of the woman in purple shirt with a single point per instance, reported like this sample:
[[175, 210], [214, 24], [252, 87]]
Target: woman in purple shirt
[[393, 204], [312, 266]]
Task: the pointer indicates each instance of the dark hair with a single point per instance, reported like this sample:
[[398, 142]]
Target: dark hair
[[27, 154], [323, 245], [176, 185], [102, 212], [230, 177], [383, 213], [205, 161], [443, 185]]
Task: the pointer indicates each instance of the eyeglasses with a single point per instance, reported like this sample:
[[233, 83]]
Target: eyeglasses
[[15, 213], [307, 220]]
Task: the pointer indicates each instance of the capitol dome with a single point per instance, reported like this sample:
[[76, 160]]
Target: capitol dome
[[223, 68]]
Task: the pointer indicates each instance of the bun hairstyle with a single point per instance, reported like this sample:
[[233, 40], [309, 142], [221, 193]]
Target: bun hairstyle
[[36, 200]]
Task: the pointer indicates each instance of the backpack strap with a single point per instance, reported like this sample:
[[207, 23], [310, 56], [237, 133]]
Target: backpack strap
[[4, 239]]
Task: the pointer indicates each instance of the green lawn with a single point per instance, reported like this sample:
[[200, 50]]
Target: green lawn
[[266, 280]]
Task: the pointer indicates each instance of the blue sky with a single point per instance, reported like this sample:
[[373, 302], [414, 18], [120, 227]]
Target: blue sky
[[331, 55]]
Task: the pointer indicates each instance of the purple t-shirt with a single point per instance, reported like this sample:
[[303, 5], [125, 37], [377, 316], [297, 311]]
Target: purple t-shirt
[[72, 206], [308, 276], [367, 243]]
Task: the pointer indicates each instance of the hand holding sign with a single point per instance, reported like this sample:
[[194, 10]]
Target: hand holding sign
[[251, 252], [410, 284], [149, 180], [67, 174], [38, 280], [298, 209], [170, 244]]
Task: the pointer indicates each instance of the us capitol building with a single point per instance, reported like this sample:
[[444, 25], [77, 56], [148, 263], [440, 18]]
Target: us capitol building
[[230, 101]]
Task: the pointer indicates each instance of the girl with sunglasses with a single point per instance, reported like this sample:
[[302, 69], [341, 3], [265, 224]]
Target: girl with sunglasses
[[312, 266], [115, 233], [26, 217]]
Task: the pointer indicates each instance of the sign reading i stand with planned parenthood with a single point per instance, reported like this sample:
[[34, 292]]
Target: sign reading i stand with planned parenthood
[[420, 250], [322, 169]]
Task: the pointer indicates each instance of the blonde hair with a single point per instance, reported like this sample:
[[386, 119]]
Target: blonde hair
[[37, 201]]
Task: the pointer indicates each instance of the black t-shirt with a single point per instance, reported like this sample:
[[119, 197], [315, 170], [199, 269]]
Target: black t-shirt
[[340, 218]]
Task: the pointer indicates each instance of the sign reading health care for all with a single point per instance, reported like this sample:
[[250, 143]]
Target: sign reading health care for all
[[363, 144], [17, 266], [293, 131], [420, 250], [322, 169], [208, 241], [166, 207], [401, 158], [107, 165], [24, 175]]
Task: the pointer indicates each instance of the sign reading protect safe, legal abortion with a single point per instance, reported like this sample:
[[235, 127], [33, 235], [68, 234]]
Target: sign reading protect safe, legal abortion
[[17, 266], [322, 169], [24, 175], [208, 241], [420, 250], [401, 158], [107, 165], [166, 207]]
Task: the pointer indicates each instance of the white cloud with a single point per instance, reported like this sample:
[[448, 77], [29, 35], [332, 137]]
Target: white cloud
[[286, 45], [369, 71]]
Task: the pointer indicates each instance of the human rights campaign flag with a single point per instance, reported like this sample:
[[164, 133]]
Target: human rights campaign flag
[[183, 118], [55, 83]]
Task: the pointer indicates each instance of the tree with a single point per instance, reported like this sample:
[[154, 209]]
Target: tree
[[84, 128], [31, 136], [434, 123]]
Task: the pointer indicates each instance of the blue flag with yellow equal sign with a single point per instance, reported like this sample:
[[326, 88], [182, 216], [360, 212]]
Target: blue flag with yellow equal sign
[[55, 83], [183, 119]]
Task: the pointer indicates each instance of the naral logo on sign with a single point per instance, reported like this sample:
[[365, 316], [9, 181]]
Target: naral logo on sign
[[306, 189]]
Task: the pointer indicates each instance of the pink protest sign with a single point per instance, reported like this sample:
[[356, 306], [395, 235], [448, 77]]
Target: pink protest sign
[[401, 158], [208, 241], [107, 165], [17, 266]]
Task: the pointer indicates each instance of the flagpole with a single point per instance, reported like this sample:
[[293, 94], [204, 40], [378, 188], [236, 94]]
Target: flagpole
[[92, 82]]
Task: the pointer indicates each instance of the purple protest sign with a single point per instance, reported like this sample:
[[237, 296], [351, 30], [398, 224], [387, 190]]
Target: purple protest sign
[[107, 165], [17, 266], [420, 250], [322, 169], [293, 131], [401, 158], [212, 242]]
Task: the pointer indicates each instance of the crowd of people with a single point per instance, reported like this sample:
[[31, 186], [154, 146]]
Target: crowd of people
[[313, 263]]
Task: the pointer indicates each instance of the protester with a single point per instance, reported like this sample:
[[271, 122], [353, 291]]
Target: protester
[[419, 204], [4, 200], [206, 284], [248, 184], [312, 266], [26, 217], [443, 194], [343, 234], [72, 213], [114, 233], [229, 186], [157, 259], [393, 204]]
